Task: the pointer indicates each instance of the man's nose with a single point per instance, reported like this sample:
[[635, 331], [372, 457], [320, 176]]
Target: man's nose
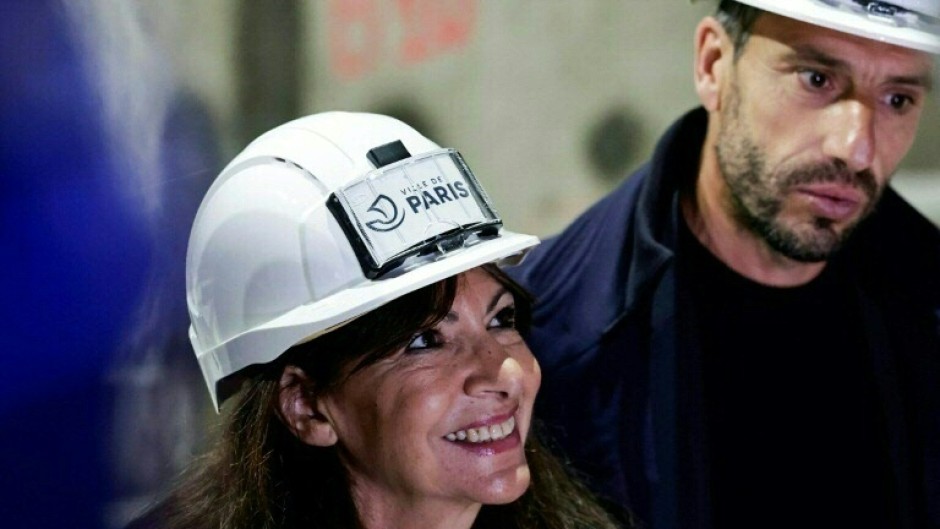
[[495, 373], [850, 134]]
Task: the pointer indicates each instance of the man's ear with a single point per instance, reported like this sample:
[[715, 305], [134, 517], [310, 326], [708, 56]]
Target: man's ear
[[300, 411], [714, 57]]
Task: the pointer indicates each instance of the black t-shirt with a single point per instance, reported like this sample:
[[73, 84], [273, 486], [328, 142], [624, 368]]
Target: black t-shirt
[[795, 434]]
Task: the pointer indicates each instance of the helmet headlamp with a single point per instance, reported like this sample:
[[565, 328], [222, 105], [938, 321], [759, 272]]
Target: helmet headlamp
[[414, 210]]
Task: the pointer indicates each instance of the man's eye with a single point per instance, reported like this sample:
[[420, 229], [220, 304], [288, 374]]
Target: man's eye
[[900, 101], [424, 340], [814, 79], [504, 319]]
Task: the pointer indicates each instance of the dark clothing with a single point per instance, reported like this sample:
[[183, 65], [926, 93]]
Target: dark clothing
[[789, 392], [633, 372]]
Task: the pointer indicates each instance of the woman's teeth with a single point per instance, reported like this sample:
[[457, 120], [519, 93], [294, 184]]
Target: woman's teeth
[[484, 433]]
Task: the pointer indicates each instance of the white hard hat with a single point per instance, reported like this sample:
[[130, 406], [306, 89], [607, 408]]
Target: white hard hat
[[908, 23], [322, 220]]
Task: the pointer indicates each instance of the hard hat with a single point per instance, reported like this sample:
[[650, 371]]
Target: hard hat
[[908, 23], [322, 220]]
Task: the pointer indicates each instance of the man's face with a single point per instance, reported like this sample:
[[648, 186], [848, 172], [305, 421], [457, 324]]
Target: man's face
[[813, 123]]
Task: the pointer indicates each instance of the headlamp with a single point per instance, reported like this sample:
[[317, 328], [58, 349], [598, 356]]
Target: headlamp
[[913, 24], [891, 13], [412, 211]]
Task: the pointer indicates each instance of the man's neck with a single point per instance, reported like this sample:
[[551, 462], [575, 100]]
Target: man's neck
[[707, 213]]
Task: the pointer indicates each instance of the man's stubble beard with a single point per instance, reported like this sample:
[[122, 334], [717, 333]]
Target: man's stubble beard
[[755, 197]]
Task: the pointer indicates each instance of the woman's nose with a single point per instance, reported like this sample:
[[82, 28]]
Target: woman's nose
[[494, 373]]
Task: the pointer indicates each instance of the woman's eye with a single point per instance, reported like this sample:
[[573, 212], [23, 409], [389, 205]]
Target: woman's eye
[[504, 319], [815, 80], [424, 340]]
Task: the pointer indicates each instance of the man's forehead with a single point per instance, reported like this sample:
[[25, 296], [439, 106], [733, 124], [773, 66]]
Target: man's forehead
[[830, 46]]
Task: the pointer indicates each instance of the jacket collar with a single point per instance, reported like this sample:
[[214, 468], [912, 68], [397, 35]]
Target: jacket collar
[[656, 218]]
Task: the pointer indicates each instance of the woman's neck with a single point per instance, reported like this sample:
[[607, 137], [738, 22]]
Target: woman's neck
[[387, 511]]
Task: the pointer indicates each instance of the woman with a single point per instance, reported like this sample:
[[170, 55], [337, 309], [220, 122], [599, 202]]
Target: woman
[[340, 284]]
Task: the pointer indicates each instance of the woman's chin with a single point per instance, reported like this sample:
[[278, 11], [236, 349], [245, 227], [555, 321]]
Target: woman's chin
[[508, 488]]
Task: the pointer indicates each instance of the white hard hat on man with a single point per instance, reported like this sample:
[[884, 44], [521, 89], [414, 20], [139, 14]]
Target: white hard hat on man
[[911, 24]]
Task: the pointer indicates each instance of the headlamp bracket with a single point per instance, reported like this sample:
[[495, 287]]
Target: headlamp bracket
[[412, 211]]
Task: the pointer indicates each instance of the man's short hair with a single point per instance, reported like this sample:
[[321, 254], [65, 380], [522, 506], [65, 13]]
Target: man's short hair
[[737, 19]]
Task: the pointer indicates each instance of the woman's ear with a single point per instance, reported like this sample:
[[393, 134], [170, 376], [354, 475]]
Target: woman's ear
[[714, 54], [300, 411]]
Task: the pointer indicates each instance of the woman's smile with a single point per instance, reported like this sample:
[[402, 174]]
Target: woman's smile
[[485, 431]]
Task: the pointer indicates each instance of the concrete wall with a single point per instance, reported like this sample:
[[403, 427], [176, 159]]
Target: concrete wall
[[551, 101]]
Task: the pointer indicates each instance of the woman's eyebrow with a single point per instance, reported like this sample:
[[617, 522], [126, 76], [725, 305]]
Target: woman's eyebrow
[[496, 297], [453, 316]]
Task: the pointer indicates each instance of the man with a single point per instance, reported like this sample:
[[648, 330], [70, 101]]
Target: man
[[745, 333]]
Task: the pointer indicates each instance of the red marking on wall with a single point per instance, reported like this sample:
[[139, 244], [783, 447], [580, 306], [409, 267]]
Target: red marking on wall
[[363, 32], [355, 35]]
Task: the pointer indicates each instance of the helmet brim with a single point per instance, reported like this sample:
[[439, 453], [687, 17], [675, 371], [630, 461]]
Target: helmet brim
[[314, 319], [868, 26]]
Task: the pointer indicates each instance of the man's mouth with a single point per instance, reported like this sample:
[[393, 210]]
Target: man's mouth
[[833, 201], [484, 434]]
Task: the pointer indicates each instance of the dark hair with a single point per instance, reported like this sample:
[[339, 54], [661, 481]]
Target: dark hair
[[737, 19], [259, 475]]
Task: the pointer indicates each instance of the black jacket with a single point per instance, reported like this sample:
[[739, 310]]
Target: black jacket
[[616, 338]]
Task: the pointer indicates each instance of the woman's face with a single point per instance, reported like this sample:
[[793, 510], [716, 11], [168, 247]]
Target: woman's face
[[445, 419]]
